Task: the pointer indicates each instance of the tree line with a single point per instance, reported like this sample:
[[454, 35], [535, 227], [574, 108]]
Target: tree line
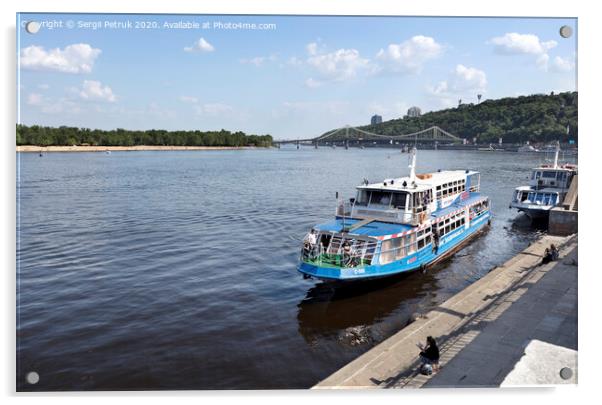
[[534, 118], [68, 136]]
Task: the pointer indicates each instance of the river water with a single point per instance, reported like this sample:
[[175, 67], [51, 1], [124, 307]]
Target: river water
[[176, 269]]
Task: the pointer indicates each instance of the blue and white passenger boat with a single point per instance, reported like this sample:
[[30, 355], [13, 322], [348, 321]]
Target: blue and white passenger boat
[[397, 226], [548, 186]]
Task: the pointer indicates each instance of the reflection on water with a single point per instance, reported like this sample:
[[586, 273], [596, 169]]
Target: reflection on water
[[330, 309], [166, 270]]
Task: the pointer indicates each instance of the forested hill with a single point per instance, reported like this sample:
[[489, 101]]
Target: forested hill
[[536, 118], [45, 136]]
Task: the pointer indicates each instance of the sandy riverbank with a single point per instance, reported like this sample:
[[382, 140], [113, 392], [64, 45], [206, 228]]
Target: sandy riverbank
[[43, 149]]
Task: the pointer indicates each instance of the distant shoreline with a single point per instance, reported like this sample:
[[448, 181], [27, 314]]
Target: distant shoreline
[[43, 149]]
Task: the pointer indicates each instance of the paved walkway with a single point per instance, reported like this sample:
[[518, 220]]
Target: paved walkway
[[483, 330], [542, 307]]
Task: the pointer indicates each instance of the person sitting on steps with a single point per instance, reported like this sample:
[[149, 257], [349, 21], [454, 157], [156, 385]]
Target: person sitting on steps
[[551, 254], [430, 353]]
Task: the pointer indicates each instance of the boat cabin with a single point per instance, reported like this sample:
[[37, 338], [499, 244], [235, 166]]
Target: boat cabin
[[409, 201], [552, 177]]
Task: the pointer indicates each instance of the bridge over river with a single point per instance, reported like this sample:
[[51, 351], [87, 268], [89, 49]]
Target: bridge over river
[[360, 137]]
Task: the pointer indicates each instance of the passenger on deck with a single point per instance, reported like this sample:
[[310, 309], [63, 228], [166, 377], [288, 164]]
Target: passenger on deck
[[435, 241], [347, 254], [310, 241]]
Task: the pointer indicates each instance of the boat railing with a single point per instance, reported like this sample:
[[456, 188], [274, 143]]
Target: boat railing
[[344, 208], [360, 253]]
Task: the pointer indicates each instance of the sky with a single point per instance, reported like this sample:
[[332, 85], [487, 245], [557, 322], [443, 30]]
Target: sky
[[287, 76]]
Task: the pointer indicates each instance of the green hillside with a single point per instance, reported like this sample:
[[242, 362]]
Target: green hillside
[[536, 118]]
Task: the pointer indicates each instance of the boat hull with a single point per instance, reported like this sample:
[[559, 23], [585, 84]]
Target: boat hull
[[535, 213], [422, 259]]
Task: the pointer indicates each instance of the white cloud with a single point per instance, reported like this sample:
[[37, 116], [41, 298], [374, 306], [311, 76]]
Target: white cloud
[[294, 61], [53, 106], [340, 65], [35, 99], [316, 107], [189, 99], [76, 58], [200, 46], [259, 60], [94, 90], [410, 55], [562, 64], [213, 109], [43, 86], [313, 83], [207, 109], [513, 43], [464, 82], [312, 48], [387, 110], [468, 79]]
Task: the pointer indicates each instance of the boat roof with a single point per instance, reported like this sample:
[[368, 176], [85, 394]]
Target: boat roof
[[374, 228], [379, 228], [424, 181], [540, 190], [561, 168]]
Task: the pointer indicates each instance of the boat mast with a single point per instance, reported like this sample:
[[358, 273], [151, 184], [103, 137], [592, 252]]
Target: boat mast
[[412, 165], [556, 155]]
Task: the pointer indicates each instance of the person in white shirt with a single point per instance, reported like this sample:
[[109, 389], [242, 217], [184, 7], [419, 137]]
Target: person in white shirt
[[310, 242]]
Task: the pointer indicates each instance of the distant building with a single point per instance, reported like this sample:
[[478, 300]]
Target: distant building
[[414, 112], [376, 119]]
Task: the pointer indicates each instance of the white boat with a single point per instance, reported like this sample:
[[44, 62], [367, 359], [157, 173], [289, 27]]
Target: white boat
[[397, 225], [527, 148], [547, 188]]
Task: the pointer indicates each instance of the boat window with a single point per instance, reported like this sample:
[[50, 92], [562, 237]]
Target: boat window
[[387, 255], [399, 200], [549, 175], [399, 248], [411, 243], [362, 197], [380, 198]]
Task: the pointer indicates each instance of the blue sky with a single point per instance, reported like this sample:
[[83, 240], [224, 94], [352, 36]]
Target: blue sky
[[298, 78]]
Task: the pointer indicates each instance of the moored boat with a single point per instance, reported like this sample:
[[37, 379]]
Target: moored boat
[[548, 185], [397, 226]]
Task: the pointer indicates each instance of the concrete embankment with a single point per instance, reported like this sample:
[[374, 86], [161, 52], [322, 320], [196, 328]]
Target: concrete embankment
[[516, 311]]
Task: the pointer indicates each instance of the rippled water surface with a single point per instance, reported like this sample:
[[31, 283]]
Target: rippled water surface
[[165, 270]]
